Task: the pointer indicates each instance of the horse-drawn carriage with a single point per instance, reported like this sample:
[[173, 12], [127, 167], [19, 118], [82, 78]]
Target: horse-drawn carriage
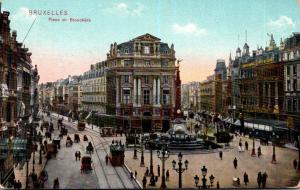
[[89, 148], [76, 138], [86, 164], [51, 150], [81, 126]]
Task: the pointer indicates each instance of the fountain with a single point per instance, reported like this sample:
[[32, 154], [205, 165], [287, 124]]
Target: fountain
[[179, 138]]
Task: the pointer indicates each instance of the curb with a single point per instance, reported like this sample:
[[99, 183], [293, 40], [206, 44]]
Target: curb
[[138, 183]]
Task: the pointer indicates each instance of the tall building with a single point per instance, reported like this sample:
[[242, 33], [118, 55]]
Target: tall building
[[141, 83], [94, 89], [290, 57]]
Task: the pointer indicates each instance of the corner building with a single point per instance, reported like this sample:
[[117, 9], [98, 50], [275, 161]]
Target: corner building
[[142, 81]]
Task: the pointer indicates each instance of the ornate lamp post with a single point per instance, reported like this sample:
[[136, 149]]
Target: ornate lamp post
[[253, 144], [211, 179], [163, 155], [299, 152], [142, 164], [204, 172], [274, 154], [135, 151], [180, 170]]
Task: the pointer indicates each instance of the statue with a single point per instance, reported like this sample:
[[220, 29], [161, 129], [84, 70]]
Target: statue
[[178, 62]]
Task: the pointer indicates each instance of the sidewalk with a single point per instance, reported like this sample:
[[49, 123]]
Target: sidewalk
[[20, 174]]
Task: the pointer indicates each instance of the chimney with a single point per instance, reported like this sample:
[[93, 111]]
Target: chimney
[[14, 35]]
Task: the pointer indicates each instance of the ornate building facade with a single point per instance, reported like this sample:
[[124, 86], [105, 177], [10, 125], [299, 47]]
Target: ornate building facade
[[141, 83]]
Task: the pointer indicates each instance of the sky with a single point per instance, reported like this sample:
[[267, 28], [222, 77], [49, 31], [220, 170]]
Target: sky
[[202, 31]]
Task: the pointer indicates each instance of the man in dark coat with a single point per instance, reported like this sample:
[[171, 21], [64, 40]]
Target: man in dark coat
[[264, 179], [221, 154], [259, 178], [246, 178], [235, 163]]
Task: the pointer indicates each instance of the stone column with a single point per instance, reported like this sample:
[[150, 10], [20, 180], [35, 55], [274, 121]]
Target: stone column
[[117, 91], [154, 91], [139, 91], [158, 91], [134, 92]]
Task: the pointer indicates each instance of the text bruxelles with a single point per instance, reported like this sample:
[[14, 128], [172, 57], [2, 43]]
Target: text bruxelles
[[48, 12]]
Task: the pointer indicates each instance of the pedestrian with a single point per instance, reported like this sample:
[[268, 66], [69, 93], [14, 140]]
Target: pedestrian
[[167, 175], [76, 155], [113, 141], [295, 163], [259, 151], [144, 182], [147, 171], [79, 155], [246, 145], [158, 170], [135, 173], [15, 184], [106, 159], [259, 179], [19, 184], [218, 185], [221, 154], [131, 175], [246, 178], [264, 179], [56, 183], [235, 163]]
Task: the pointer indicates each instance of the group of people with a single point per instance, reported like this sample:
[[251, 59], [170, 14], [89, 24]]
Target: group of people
[[262, 179], [153, 178], [17, 184], [77, 155]]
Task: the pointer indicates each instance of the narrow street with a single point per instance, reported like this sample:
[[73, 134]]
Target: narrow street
[[67, 169]]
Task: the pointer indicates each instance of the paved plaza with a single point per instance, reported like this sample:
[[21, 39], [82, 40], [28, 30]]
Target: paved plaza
[[280, 175]]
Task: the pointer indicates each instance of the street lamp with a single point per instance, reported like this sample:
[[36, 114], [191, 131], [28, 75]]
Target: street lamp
[[135, 151], [142, 164], [180, 170], [253, 144], [299, 152], [163, 155], [274, 155], [204, 172], [211, 179]]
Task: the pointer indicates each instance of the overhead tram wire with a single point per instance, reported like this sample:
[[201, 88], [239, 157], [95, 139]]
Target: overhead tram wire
[[29, 30]]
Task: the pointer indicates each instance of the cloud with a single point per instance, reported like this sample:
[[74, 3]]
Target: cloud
[[126, 9], [22, 15], [282, 21], [189, 29]]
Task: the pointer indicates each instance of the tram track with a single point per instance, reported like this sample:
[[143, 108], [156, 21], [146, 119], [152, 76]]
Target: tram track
[[102, 142]]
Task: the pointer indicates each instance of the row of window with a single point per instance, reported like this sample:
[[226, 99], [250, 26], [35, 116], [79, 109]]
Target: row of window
[[94, 98], [291, 55], [291, 70], [292, 105], [146, 97], [146, 79], [292, 85]]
